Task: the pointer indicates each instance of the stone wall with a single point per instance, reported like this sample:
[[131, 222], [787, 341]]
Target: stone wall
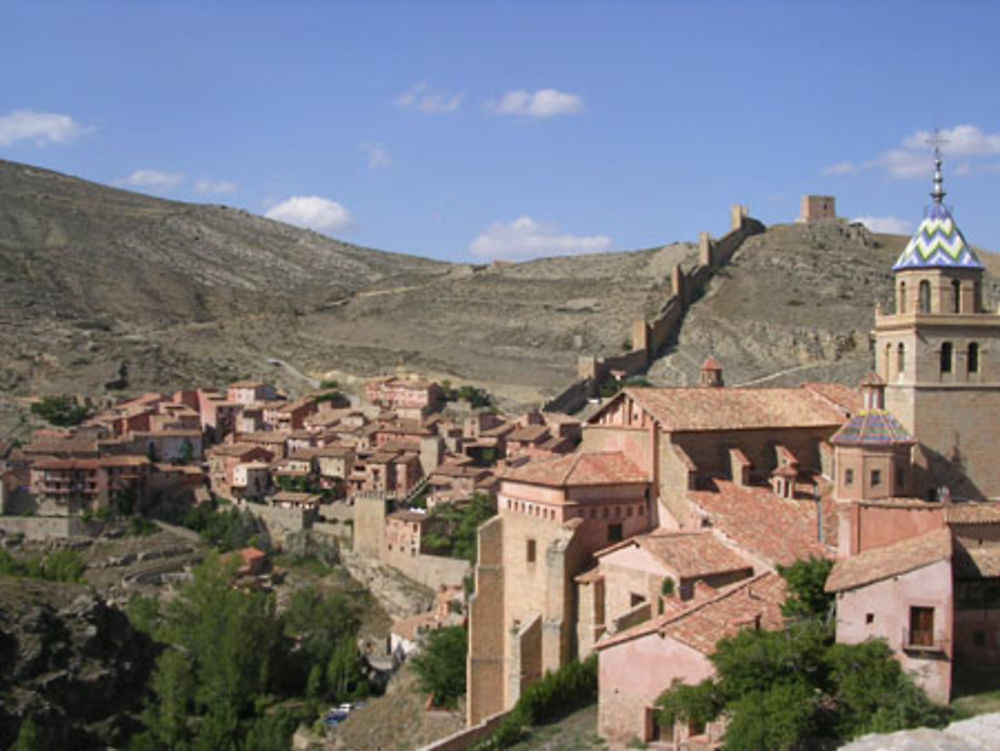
[[650, 336], [433, 571], [42, 527], [465, 739]]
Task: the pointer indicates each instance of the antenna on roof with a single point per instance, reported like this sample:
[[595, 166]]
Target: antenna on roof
[[937, 141]]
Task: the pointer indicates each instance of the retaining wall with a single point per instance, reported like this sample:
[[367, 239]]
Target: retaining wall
[[465, 739]]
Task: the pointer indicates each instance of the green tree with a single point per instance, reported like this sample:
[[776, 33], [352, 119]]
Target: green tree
[[27, 737], [174, 684], [344, 677], [440, 665], [806, 579], [62, 411]]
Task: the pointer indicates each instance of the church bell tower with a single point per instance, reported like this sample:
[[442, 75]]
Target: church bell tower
[[939, 355]]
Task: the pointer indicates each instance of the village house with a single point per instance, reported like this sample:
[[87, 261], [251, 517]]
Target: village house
[[72, 486], [251, 481], [404, 530], [408, 398], [250, 392], [222, 463]]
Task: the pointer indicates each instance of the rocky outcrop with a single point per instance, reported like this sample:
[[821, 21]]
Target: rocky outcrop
[[980, 733], [70, 662]]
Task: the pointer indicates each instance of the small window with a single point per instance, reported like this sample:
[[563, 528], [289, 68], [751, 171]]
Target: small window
[[848, 477], [979, 638], [869, 618], [900, 358], [946, 353], [876, 478], [921, 627], [635, 599], [615, 533], [972, 360], [902, 297], [530, 557], [956, 296], [900, 477], [642, 509], [924, 300]]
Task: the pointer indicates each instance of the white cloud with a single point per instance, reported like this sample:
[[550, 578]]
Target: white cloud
[[840, 168], [422, 99], [220, 186], [888, 225], [312, 212], [42, 128], [152, 179], [377, 155], [913, 159], [543, 103], [525, 238]]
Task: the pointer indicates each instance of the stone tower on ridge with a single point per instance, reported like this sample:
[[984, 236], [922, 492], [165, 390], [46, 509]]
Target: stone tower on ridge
[[939, 355]]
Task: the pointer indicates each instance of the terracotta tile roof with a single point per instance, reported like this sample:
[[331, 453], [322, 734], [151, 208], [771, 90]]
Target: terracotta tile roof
[[976, 562], [700, 409], [529, 433], [752, 603], [289, 496], [609, 468], [232, 449], [841, 396], [779, 530], [265, 436], [692, 554], [890, 560], [972, 513]]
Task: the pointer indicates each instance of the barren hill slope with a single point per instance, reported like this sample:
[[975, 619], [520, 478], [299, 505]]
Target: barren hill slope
[[795, 304]]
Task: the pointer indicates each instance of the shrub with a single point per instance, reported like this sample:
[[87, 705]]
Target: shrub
[[62, 411]]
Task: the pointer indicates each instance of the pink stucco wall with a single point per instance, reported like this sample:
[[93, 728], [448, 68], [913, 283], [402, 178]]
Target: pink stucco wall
[[881, 610], [624, 692]]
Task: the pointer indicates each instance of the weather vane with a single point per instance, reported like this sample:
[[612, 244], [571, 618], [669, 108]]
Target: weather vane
[[937, 141]]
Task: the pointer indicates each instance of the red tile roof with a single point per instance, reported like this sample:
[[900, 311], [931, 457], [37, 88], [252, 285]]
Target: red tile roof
[[890, 560], [749, 604], [700, 409], [609, 468], [779, 530], [690, 554]]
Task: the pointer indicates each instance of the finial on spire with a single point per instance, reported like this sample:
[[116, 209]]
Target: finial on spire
[[937, 141]]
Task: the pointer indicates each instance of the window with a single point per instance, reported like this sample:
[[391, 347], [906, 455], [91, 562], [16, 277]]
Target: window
[[979, 638], [921, 627], [869, 618], [972, 359], [530, 557], [876, 478], [848, 477], [900, 358], [946, 352], [956, 296], [900, 477], [902, 297], [924, 299], [615, 533], [635, 599]]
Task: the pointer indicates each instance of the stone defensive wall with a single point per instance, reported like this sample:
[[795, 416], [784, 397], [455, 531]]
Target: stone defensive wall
[[465, 739], [433, 571], [43, 527], [651, 335]]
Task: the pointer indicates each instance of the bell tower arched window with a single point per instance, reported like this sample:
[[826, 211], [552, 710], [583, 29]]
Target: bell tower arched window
[[900, 359], [924, 299], [946, 355], [972, 358], [902, 298], [956, 296]]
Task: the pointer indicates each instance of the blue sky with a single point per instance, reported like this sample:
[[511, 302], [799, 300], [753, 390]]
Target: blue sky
[[477, 130]]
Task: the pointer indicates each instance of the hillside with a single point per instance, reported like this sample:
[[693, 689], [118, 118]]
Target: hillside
[[184, 294], [795, 304]]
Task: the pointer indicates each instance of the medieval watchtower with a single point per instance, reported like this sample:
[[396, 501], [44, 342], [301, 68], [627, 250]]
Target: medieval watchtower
[[939, 355]]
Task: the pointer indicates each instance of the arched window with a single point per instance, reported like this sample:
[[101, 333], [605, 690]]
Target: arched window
[[972, 358], [924, 300], [956, 296], [902, 297], [888, 362], [900, 359], [946, 352]]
